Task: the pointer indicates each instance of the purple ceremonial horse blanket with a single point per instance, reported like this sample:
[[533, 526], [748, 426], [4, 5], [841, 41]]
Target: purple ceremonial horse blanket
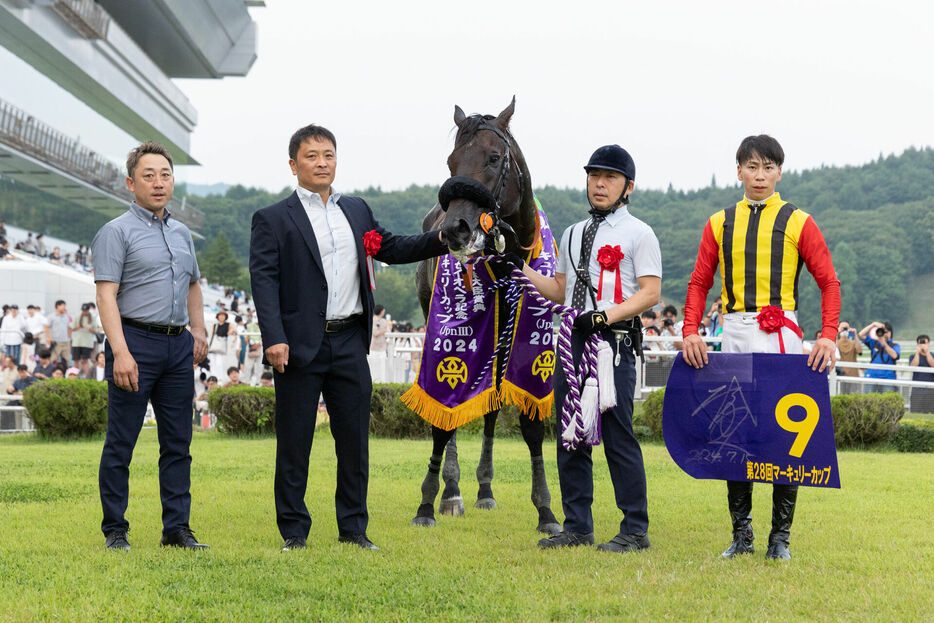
[[457, 379]]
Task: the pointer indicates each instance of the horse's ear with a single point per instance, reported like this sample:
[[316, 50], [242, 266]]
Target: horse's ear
[[502, 121], [459, 115]]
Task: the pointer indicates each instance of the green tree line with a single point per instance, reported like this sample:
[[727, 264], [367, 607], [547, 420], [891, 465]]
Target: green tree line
[[878, 219]]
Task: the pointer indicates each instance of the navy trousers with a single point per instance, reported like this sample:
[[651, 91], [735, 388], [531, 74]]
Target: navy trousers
[[339, 371], [623, 453], [166, 380]]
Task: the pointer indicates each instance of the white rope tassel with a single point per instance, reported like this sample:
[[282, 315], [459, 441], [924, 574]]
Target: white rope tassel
[[605, 377], [589, 405], [570, 434]]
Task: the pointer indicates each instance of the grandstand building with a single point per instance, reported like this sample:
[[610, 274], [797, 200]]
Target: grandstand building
[[119, 58]]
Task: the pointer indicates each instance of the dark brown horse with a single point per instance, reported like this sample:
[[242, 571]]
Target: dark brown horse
[[489, 178]]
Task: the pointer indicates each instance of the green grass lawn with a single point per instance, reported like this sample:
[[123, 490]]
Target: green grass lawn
[[861, 553]]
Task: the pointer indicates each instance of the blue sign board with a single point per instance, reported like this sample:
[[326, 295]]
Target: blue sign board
[[751, 416]]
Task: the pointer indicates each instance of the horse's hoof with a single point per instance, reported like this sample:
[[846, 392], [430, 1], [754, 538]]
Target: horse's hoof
[[549, 528], [486, 504], [426, 522], [452, 506]]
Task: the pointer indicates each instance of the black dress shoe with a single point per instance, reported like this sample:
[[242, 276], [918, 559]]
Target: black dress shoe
[[117, 540], [293, 543], [183, 538], [622, 543], [360, 540], [566, 539]]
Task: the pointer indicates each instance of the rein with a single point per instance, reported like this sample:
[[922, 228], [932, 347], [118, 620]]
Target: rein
[[588, 395]]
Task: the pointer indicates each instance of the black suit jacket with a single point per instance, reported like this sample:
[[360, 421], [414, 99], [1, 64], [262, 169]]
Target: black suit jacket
[[287, 276]]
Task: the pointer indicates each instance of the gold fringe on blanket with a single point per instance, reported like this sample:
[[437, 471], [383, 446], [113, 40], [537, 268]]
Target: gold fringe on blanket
[[526, 402], [449, 418]]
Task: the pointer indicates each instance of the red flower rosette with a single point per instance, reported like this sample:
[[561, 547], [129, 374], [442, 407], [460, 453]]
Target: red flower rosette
[[772, 320], [609, 258], [372, 241]]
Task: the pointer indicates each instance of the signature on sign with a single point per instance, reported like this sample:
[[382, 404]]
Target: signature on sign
[[731, 413]]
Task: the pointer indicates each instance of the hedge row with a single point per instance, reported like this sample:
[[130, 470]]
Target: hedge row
[[244, 410], [390, 418], [914, 436], [866, 420], [859, 421], [75, 408], [67, 408]]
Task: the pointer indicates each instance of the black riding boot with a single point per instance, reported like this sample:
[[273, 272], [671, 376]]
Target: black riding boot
[[739, 498], [783, 513]]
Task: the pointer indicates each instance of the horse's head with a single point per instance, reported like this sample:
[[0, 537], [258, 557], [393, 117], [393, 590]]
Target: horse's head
[[488, 184]]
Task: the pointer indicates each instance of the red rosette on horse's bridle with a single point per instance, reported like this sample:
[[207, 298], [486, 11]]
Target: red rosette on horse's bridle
[[772, 319], [609, 258], [372, 241]]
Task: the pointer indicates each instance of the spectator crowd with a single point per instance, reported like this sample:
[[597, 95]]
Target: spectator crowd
[[36, 246], [36, 346]]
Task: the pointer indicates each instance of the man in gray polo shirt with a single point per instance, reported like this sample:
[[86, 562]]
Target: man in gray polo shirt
[[147, 291], [622, 252], [59, 333]]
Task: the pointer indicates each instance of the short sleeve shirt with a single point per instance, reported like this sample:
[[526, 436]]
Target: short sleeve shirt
[[83, 332], [58, 327], [642, 256], [880, 356], [153, 261], [923, 376]]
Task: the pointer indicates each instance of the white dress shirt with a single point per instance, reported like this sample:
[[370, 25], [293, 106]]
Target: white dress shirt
[[641, 255], [12, 328], [36, 324], [338, 251]]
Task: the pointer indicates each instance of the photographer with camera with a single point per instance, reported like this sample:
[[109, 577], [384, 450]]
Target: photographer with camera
[[715, 316], [670, 327], [83, 338], [922, 398], [878, 337], [850, 348]]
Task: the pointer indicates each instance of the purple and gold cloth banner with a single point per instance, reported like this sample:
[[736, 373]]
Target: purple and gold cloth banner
[[756, 417], [456, 380]]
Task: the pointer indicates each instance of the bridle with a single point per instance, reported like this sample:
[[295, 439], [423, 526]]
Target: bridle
[[491, 221], [504, 170]]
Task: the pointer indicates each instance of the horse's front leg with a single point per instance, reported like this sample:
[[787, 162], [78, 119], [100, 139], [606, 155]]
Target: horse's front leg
[[451, 501], [533, 431], [425, 516], [485, 498]]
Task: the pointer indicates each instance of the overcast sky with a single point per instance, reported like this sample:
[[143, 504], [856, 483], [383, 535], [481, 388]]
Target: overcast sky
[[676, 83]]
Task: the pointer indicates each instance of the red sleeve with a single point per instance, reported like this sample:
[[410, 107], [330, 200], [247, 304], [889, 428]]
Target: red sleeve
[[708, 256], [813, 249]]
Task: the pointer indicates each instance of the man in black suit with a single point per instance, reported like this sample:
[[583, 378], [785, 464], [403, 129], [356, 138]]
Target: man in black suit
[[312, 293]]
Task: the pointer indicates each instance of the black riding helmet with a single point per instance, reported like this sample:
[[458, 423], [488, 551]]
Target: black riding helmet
[[613, 158]]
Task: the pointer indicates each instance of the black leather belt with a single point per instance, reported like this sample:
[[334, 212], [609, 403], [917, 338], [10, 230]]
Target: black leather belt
[[164, 329], [333, 326]]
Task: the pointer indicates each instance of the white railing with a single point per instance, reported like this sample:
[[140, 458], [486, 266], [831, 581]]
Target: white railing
[[85, 16], [397, 365], [653, 374], [13, 417]]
